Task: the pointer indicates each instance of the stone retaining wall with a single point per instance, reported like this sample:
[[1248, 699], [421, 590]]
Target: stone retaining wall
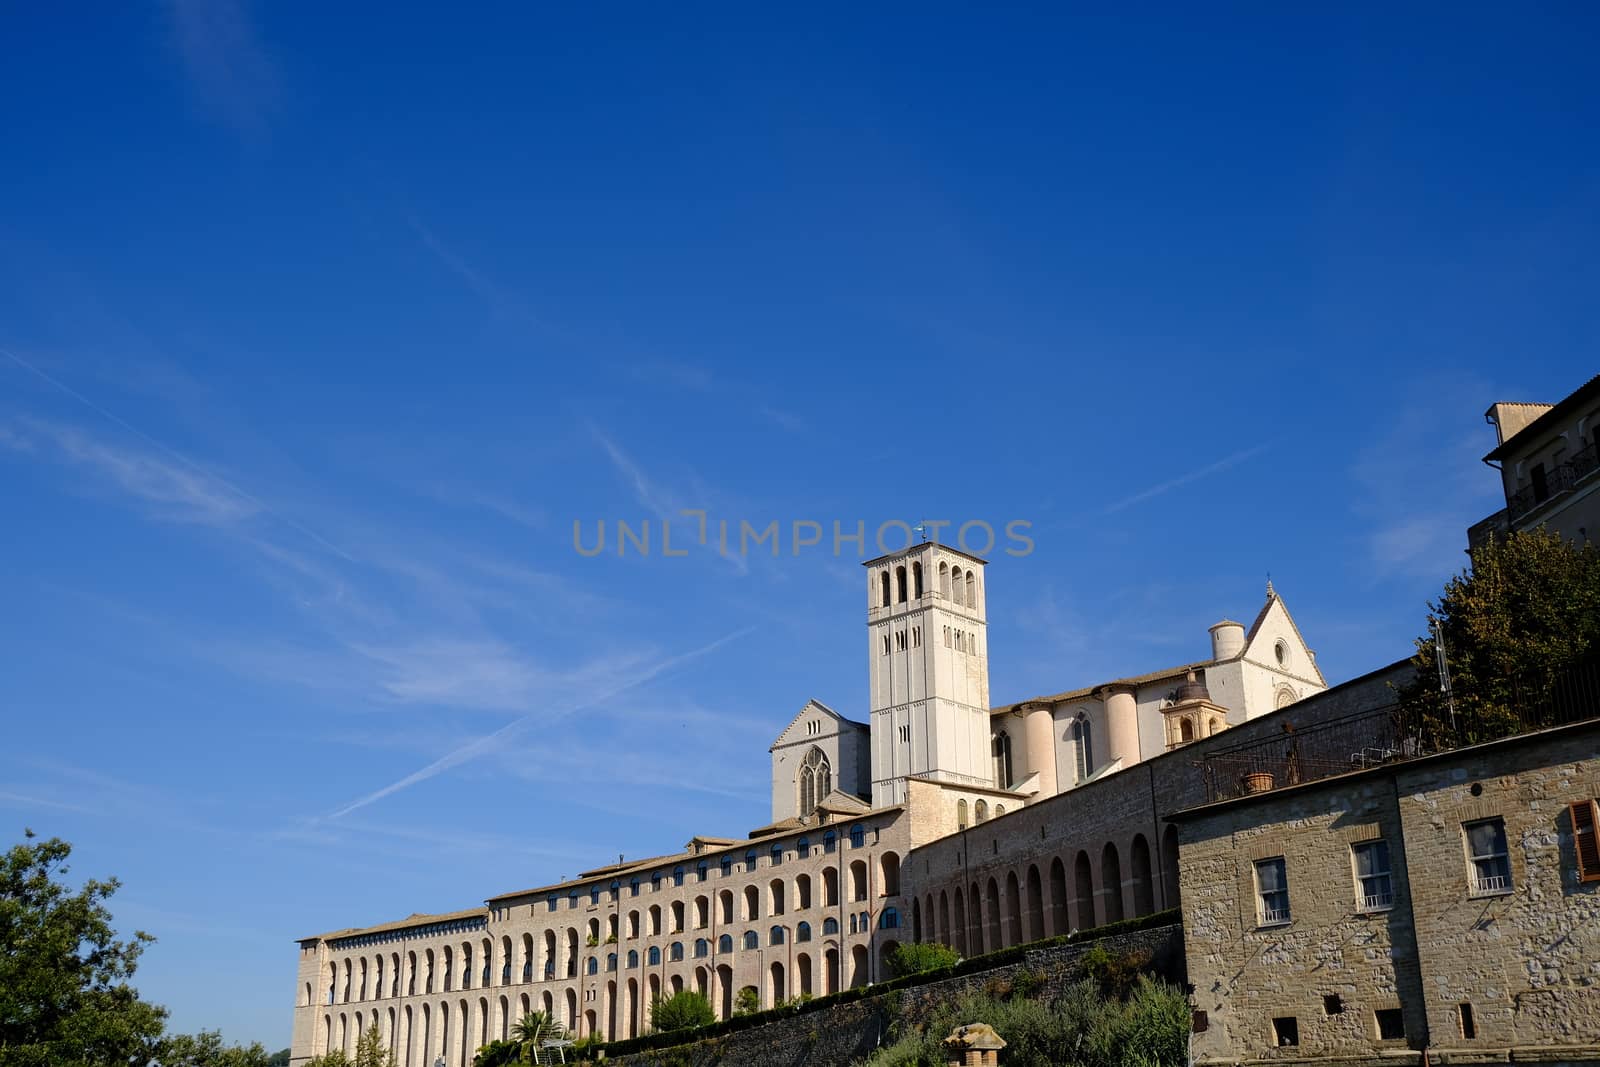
[[843, 1033]]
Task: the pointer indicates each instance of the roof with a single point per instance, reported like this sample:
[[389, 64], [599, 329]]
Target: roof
[[835, 802], [923, 544], [813, 702], [1558, 414], [1200, 811], [1178, 671], [1138, 679], [415, 919]]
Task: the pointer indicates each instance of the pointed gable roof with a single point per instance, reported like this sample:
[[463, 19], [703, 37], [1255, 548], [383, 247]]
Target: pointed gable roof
[[1261, 617], [812, 705]]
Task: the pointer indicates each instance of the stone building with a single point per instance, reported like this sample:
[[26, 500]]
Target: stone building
[[815, 900], [1548, 456], [1446, 905]]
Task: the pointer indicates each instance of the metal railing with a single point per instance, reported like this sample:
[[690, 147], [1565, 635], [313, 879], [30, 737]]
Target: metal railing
[[1394, 732], [1562, 478]]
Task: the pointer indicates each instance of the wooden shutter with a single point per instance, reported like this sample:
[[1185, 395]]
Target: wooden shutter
[[1586, 839]]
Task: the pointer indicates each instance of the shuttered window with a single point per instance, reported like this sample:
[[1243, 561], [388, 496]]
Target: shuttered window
[[1586, 839]]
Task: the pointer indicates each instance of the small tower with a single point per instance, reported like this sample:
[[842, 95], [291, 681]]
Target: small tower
[[1192, 715], [928, 656]]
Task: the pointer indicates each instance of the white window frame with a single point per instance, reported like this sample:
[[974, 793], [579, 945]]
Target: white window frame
[[1479, 883], [1367, 901], [1266, 913]]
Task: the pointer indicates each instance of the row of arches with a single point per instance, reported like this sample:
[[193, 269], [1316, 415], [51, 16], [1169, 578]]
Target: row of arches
[[903, 583], [453, 1031], [451, 968], [1042, 900]]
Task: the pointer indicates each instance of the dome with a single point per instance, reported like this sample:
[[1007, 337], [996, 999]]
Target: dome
[[1191, 689]]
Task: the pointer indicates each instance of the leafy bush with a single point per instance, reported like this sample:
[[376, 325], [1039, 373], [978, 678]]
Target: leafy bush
[[1079, 1029], [682, 1011], [748, 1002], [498, 1054], [913, 957]]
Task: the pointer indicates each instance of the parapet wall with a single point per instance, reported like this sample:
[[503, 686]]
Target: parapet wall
[[839, 1034]]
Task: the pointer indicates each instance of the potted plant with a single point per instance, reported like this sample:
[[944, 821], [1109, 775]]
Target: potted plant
[[1256, 781]]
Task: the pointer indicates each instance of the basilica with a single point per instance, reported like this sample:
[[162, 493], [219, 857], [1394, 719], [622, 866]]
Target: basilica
[[814, 901]]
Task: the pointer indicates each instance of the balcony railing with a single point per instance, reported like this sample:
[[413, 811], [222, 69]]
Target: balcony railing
[[1393, 733], [1377, 902], [1561, 479]]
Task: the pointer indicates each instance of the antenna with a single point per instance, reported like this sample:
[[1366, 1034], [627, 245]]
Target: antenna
[[921, 528], [1444, 671]]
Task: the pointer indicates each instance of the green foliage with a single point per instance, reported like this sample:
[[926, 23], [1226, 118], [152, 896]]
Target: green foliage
[[498, 1054], [279, 1058], [913, 957], [1080, 1029], [369, 1053], [747, 1002], [64, 993], [682, 1011], [533, 1026], [1116, 973], [891, 988], [1528, 606], [206, 1049], [1027, 982]]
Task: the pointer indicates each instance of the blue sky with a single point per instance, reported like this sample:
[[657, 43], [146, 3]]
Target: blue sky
[[321, 326]]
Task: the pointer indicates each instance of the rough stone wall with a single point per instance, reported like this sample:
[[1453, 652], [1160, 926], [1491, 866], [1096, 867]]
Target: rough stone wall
[[1528, 961], [839, 1034], [1246, 974], [1102, 851]]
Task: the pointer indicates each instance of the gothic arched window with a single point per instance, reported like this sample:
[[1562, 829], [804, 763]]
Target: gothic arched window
[[1083, 742], [1002, 760], [916, 580], [883, 587], [900, 585], [816, 781]]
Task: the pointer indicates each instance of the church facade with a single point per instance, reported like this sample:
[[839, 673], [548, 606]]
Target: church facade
[[816, 900]]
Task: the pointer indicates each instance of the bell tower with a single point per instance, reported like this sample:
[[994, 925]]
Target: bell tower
[[928, 656]]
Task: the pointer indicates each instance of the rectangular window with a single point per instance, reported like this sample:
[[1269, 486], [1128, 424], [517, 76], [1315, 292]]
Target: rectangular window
[[1469, 1026], [1541, 485], [1391, 1024], [1272, 891], [1586, 839], [1486, 850], [1286, 1031], [1374, 888]]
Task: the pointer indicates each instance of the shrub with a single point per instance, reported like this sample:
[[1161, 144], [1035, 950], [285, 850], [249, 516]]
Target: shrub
[[682, 1011], [748, 1002], [916, 957]]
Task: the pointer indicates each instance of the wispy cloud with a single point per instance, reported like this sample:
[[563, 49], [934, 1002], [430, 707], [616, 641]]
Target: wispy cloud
[[487, 742], [692, 378], [665, 504], [1184, 479], [1419, 481], [228, 67], [650, 496], [165, 461], [170, 490]]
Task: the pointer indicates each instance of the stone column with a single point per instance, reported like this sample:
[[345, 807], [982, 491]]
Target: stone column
[[1122, 724], [1040, 733]]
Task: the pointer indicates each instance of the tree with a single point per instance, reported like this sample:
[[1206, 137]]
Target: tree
[[1528, 607], [64, 993], [498, 1054], [532, 1026], [279, 1058], [683, 1010], [913, 957], [206, 1049], [747, 1001], [369, 1053]]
